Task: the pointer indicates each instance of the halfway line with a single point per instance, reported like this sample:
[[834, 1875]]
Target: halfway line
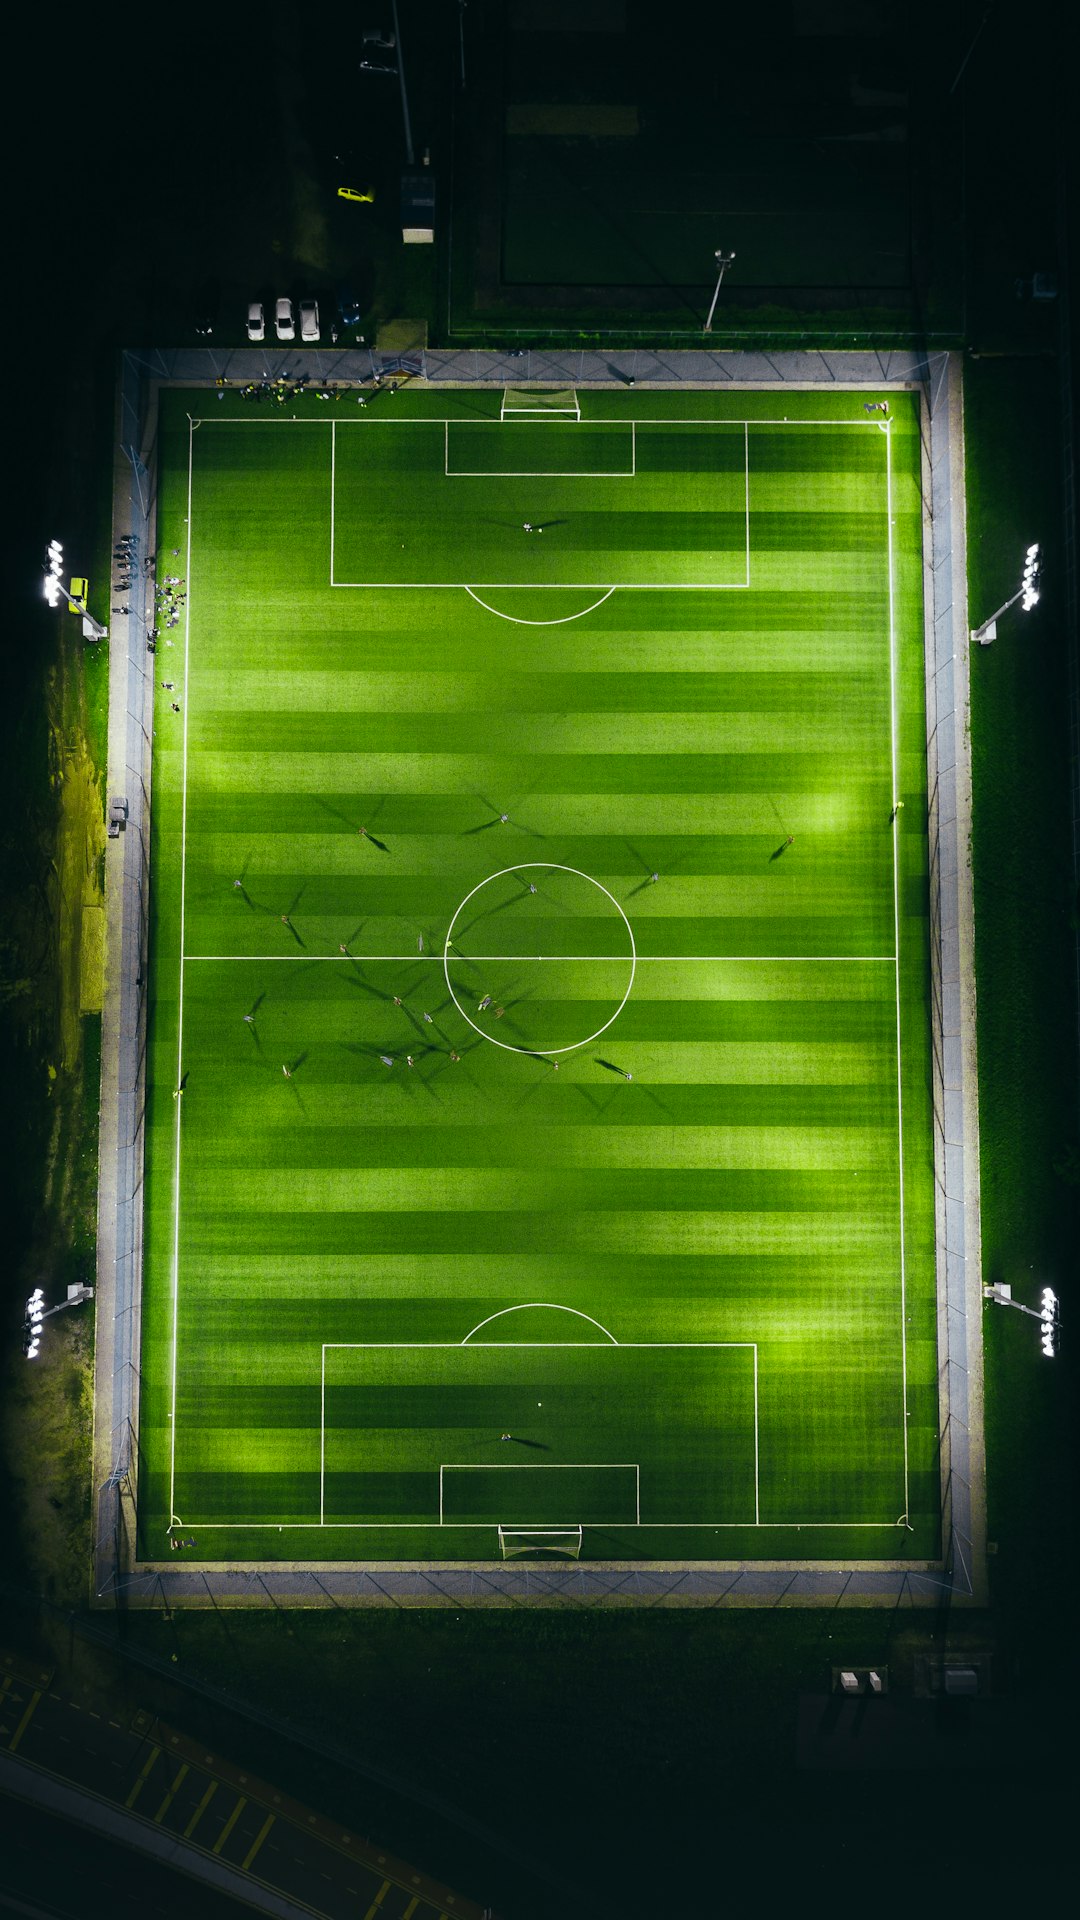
[[667, 959]]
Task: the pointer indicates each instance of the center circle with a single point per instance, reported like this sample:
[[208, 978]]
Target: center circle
[[527, 945]]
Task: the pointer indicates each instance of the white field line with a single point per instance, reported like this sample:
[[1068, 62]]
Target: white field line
[[538, 1346], [517, 620], [746, 492], [668, 959], [585, 586], [173, 1359], [896, 937], [541, 586], [535, 473], [569, 959], [333, 494], [757, 1447], [322, 1436], [443, 420], [678, 1526]]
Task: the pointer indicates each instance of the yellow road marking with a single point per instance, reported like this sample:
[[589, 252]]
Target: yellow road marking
[[411, 1908], [23, 1723], [168, 1800], [229, 1824], [378, 1900], [141, 1781], [200, 1810], [253, 1850]]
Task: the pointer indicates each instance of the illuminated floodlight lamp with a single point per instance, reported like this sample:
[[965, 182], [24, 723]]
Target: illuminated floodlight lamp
[[1027, 592], [1048, 1316], [54, 570], [75, 594]]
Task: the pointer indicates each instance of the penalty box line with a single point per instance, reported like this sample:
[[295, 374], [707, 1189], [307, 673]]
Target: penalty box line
[[541, 1346], [585, 586]]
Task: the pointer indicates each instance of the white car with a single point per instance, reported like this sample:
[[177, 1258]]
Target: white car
[[284, 323], [309, 320], [256, 321]]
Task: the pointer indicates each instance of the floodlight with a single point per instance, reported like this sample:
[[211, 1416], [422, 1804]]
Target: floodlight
[[723, 262], [1027, 593], [53, 587]]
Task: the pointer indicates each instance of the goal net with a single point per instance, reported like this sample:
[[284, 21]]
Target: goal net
[[534, 403], [515, 1541]]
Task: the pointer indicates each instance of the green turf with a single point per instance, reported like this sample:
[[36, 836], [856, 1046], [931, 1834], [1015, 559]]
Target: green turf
[[705, 1192]]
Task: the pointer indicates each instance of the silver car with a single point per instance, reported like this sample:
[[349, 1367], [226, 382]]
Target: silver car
[[309, 320], [256, 321], [284, 322]]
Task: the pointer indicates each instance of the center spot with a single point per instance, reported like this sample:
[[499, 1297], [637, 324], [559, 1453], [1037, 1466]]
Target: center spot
[[548, 949]]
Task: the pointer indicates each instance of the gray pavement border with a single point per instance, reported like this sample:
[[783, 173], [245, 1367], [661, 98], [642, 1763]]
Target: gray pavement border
[[960, 1575]]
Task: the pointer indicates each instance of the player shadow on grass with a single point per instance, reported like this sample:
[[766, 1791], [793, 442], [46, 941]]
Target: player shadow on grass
[[501, 817], [486, 913], [290, 1069], [356, 978], [249, 1019], [519, 1440], [653, 871], [611, 1067]]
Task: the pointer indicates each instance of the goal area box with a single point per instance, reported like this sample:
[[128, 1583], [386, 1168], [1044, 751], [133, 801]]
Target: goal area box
[[487, 1435]]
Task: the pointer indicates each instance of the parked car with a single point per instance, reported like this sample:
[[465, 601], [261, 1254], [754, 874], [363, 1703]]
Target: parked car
[[309, 320], [256, 321], [284, 320], [349, 307]]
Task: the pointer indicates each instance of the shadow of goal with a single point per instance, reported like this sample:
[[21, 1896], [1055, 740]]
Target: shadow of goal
[[516, 1543]]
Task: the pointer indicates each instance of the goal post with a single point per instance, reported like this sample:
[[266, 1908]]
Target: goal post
[[516, 1541], [536, 403]]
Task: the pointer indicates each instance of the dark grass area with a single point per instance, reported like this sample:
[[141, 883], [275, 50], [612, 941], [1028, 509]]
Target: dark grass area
[[599, 161], [1025, 908]]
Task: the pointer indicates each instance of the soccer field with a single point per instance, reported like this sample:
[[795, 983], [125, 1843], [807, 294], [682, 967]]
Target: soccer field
[[543, 959]]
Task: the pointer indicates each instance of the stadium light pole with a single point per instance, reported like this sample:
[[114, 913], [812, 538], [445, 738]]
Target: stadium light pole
[[409, 154], [1027, 591], [37, 1311], [55, 591], [1046, 1313], [723, 261]]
